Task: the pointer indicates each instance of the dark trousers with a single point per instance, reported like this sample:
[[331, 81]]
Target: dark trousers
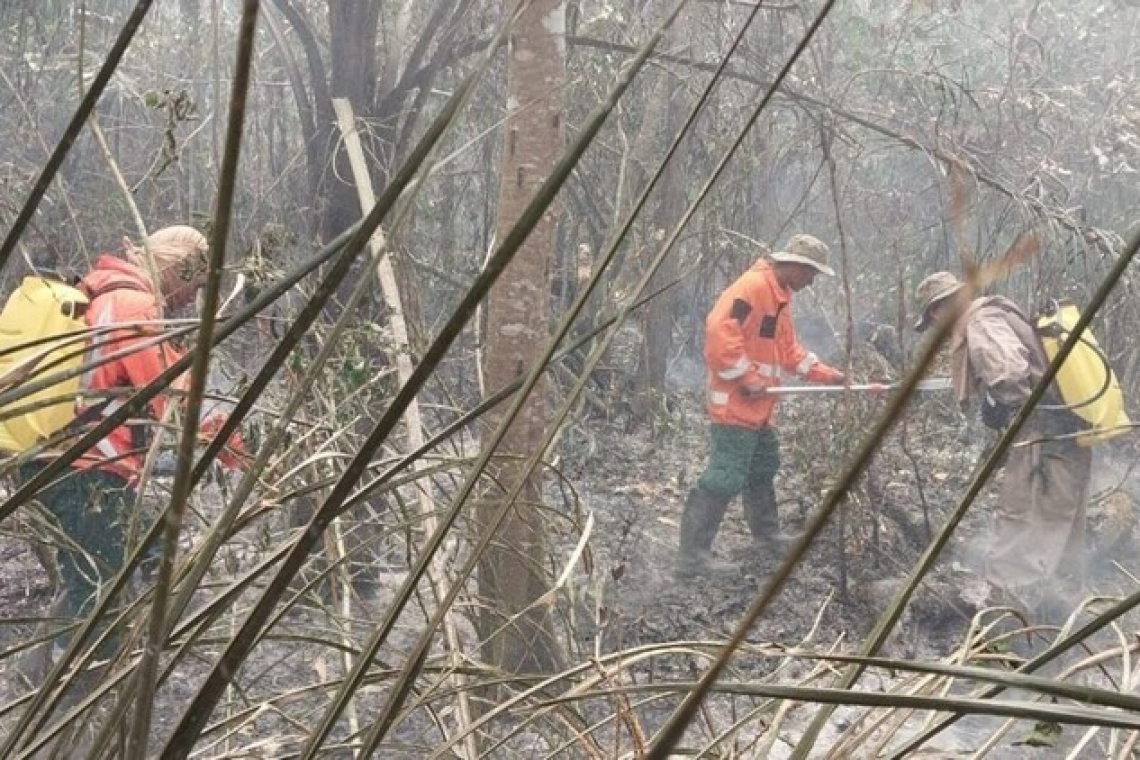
[[93, 511]]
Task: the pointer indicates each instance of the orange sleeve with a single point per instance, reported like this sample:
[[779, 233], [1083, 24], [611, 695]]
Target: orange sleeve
[[145, 359], [147, 363], [794, 358], [797, 359], [724, 332]]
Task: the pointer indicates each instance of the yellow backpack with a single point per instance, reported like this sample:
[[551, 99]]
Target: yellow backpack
[[1087, 383], [41, 334]]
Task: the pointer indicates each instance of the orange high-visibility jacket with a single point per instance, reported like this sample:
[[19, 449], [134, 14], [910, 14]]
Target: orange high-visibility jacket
[[120, 293], [749, 339]]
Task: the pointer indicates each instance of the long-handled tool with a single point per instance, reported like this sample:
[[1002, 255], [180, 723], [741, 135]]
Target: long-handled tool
[[932, 384]]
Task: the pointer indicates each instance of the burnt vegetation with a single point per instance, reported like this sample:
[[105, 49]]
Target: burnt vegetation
[[466, 251]]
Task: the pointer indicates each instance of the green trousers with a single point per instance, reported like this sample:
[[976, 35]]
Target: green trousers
[[92, 508], [741, 461], [740, 458]]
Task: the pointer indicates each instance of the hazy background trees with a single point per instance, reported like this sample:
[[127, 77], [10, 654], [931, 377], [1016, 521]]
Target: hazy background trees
[[928, 130], [1033, 99]]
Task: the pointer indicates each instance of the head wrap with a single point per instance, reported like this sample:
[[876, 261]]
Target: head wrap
[[178, 253]]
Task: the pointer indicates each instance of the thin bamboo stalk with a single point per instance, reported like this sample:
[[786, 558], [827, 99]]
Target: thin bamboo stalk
[[386, 274], [145, 684]]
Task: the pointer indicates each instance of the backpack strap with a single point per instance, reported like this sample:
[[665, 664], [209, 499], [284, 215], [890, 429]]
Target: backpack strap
[[90, 414], [94, 412], [87, 291]]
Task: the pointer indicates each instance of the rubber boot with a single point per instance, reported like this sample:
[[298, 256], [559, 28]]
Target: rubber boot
[[700, 522], [763, 518], [33, 664]]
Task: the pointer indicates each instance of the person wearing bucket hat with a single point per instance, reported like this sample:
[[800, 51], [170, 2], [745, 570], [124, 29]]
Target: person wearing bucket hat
[[996, 357], [933, 293], [808, 251], [749, 341]]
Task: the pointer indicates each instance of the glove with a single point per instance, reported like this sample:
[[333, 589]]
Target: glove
[[825, 375], [234, 454], [753, 391], [995, 415], [753, 384]]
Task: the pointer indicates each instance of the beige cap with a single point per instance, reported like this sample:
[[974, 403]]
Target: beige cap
[[933, 289], [805, 249]]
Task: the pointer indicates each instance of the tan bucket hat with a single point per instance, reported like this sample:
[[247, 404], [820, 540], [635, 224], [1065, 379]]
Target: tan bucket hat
[[933, 289], [805, 249]]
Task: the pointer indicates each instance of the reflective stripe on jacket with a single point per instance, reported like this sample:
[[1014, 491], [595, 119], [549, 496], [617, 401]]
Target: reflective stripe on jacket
[[120, 293], [749, 340]]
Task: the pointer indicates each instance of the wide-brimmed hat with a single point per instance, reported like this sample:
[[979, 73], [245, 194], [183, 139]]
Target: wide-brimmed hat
[[805, 249], [935, 288]]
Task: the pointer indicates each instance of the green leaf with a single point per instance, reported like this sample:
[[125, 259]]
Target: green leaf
[[152, 99], [1044, 734]]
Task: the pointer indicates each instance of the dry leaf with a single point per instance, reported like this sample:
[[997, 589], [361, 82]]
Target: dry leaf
[[1023, 249]]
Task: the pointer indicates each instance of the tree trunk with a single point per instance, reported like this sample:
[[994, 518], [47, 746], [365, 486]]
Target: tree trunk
[[353, 30], [511, 574], [657, 317]]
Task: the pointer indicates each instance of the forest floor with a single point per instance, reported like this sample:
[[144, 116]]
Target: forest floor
[[835, 595], [632, 481]]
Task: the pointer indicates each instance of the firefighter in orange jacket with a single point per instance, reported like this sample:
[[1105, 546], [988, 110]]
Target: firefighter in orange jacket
[[93, 501], [749, 341]]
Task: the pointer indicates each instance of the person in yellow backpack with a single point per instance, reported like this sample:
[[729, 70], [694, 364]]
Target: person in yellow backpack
[[996, 357], [93, 499]]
